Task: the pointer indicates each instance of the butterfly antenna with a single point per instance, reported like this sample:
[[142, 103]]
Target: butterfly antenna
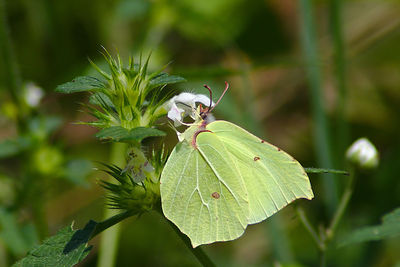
[[223, 93], [209, 90]]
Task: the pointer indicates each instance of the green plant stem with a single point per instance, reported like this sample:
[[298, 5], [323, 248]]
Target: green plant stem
[[344, 202], [318, 170], [109, 240], [281, 248], [307, 225], [340, 73], [101, 226], [323, 239], [11, 71], [38, 210], [198, 252], [321, 129], [3, 255], [322, 259]]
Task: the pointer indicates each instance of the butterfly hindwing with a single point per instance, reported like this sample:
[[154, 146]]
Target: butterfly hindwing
[[198, 197]]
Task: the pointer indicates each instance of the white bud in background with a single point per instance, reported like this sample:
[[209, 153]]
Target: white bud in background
[[33, 94], [363, 153]]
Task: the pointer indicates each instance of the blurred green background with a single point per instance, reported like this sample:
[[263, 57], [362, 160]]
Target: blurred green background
[[310, 87]]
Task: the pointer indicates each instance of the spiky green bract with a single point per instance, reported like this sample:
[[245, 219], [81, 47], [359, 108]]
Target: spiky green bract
[[126, 97], [221, 178], [138, 188]]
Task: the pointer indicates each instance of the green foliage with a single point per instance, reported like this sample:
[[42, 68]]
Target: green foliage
[[9, 148], [126, 106], [120, 134], [80, 84], [16, 237], [128, 98], [127, 194], [65, 249], [76, 170], [208, 42], [137, 187], [390, 227], [163, 79]]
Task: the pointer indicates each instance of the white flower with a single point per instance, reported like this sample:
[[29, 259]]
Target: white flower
[[33, 94], [363, 153], [184, 104]]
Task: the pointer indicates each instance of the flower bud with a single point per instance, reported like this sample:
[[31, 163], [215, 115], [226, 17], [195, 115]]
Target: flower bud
[[33, 94], [363, 153]]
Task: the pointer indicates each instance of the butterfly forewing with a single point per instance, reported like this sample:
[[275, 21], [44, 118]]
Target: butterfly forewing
[[272, 177]]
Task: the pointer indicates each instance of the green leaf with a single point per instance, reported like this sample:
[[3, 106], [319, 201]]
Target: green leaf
[[9, 148], [67, 248], [164, 79], [101, 99], [80, 84], [41, 127], [120, 134], [11, 233], [77, 170], [390, 227]]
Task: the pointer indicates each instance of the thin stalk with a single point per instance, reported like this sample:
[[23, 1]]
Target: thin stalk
[[198, 252], [3, 255], [307, 225], [319, 170], [249, 115], [339, 59], [322, 259], [281, 248], [321, 129], [109, 240], [38, 210], [323, 239], [101, 226], [344, 202], [11, 71]]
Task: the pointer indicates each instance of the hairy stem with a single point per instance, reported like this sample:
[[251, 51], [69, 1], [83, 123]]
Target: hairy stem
[[101, 226]]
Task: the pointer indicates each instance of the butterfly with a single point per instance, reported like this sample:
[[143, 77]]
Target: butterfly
[[220, 178]]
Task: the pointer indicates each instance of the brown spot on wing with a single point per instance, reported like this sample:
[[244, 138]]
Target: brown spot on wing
[[256, 158], [215, 195], [262, 141]]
